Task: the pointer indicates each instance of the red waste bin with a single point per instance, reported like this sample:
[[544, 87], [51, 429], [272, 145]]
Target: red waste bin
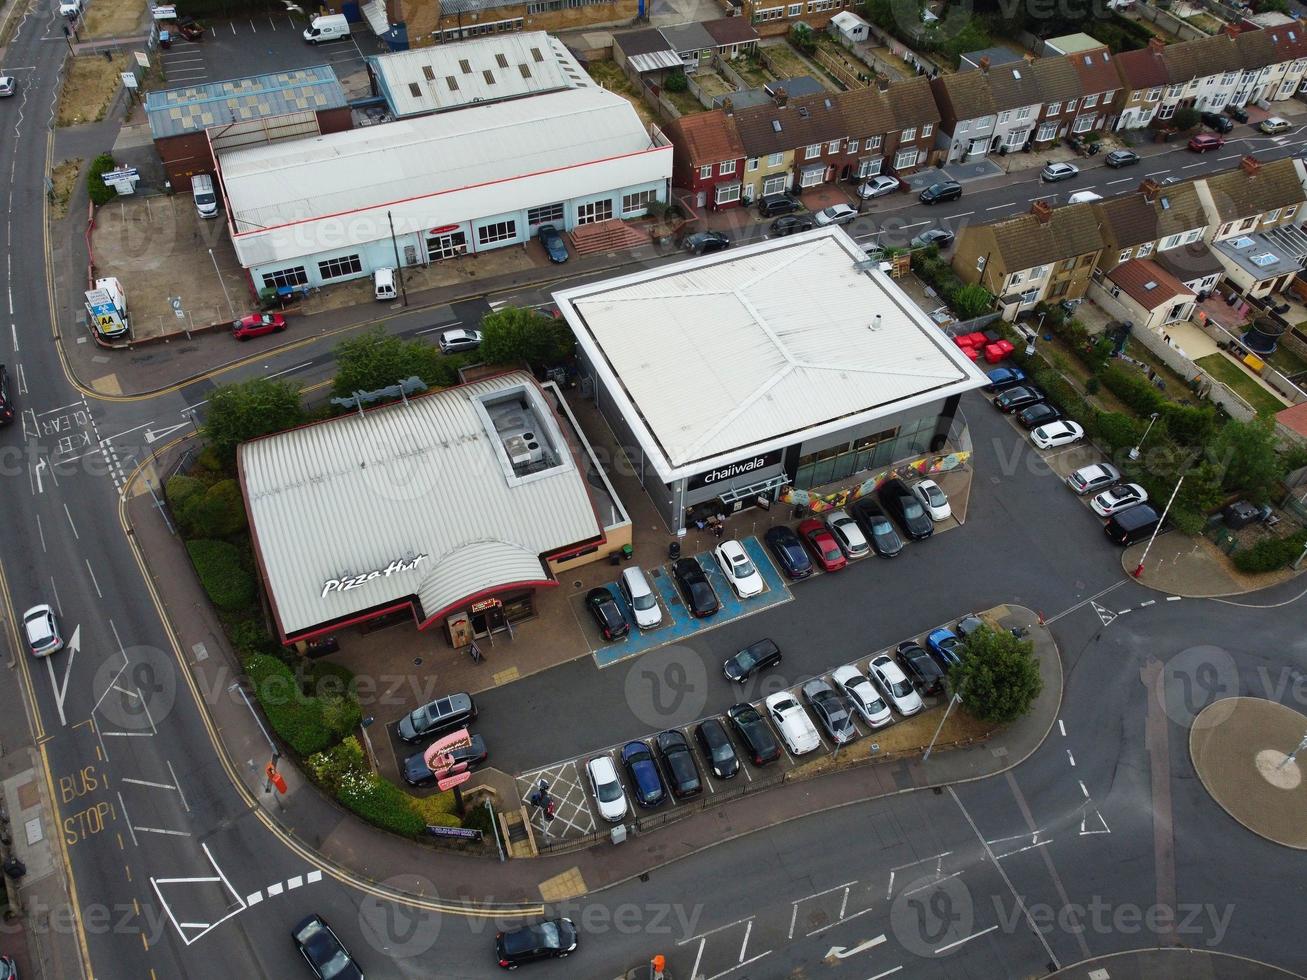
[[994, 353], [1007, 346]]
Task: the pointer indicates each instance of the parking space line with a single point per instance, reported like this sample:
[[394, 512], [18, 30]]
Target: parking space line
[[967, 939]]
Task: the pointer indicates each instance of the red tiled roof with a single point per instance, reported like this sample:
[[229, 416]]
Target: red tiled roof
[[1144, 68], [707, 137], [1134, 278], [1294, 418]]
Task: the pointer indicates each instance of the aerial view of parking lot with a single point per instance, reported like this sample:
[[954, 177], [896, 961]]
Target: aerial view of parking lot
[[695, 491]]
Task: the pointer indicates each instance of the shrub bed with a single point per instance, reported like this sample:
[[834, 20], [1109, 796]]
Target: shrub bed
[[1270, 554], [229, 585]]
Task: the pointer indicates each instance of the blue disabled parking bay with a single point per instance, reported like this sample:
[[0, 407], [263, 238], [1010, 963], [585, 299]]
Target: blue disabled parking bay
[[677, 621]]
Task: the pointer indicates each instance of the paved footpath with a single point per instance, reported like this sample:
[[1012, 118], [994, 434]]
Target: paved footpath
[[336, 838]]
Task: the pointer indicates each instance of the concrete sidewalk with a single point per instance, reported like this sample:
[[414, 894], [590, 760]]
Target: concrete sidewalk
[[352, 849]]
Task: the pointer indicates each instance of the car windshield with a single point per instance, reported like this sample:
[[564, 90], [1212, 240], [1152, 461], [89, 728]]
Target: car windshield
[[831, 553], [745, 659], [721, 751], [784, 705], [912, 509], [609, 792], [334, 966], [646, 601], [744, 568], [901, 689], [876, 706], [936, 496], [747, 715]]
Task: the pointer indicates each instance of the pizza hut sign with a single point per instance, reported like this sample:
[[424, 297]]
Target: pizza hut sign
[[354, 581]]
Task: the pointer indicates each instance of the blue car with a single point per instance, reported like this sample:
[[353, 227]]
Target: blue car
[[946, 647], [643, 773], [553, 243], [789, 551], [1004, 377]]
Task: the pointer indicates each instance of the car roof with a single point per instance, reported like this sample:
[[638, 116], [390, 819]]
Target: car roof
[[602, 766]]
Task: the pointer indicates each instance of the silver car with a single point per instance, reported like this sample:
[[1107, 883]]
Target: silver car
[[8, 86], [1092, 478], [42, 631], [848, 535], [453, 341]]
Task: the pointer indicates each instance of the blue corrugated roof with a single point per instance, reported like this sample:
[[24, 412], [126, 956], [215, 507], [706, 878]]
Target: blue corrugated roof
[[176, 111]]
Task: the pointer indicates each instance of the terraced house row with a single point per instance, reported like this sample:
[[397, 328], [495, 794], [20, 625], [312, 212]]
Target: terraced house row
[[739, 153]]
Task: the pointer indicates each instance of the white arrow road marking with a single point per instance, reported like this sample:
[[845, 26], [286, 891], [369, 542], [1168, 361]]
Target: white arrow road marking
[[61, 690], [844, 952], [154, 435], [40, 465]]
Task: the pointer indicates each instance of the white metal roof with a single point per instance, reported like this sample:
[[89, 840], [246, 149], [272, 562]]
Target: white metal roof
[[484, 69], [723, 357], [298, 197], [350, 496], [655, 60]]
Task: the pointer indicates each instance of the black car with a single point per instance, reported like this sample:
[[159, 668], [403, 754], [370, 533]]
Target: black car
[[553, 243], [695, 588], [543, 941], [607, 614], [6, 398], [416, 772], [705, 242], [1237, 113], [789, 551], [968, 625], [755, 657], [679, 767], [325, 954], [877, 528], [945, 190], [925, 674], [1015, 399], [441, 715], [717, 748], [1217, 121], [832, 709], [939, 237], [754, 732], [791, 223], [1040, 413], [642, 771], [776, 204], [1121, 158], [902, 505]]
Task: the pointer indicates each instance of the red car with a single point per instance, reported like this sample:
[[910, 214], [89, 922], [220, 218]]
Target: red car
[[823, 546], [257, 324], [1206, 141]]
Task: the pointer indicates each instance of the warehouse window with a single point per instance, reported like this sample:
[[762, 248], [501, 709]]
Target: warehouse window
[[544, 215], [501, 61], [428, 73], [295, 276], [452, 82], [489, 76], [344, 265], [637, 203], [415, 90], [466, 65], [499, 231], [594, 211]]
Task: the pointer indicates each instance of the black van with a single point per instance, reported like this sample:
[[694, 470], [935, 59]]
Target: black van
[[6, 398], [945, 190], [776, 204], [1132, 525], [1217, 121]]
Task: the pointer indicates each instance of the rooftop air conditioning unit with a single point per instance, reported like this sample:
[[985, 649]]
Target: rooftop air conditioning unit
[[523, 449]]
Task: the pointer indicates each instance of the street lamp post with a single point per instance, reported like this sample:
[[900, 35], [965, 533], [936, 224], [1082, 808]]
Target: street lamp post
[[952, 703], [1134, 452], [1292, 756]]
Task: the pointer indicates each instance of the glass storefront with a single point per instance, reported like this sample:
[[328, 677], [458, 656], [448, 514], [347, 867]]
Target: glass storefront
[[867, 453]]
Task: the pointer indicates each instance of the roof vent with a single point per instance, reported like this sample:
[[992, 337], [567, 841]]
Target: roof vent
[[1089, 60], [803, 111], [1243, 241], [775, 125], [875, 322], [1150, 284], [1016, 74], [828, 104], [1166, 204], [1264, 259]]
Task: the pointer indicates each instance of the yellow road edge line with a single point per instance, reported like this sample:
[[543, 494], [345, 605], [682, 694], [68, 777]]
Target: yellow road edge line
[[316, 860]]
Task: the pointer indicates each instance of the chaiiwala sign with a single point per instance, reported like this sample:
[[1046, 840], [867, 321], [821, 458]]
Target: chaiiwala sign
[[733, 470], [354, 581]]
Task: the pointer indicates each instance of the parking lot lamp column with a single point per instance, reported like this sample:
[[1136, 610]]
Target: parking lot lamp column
[[1292, 756], [955, 700], [399, 270], [1140, 570], [1134, 453]]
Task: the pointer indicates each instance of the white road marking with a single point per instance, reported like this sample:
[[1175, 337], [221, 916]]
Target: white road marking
[[93, 581], [937, 858], [157, 830], [844, 952], [1148, 603], [1174, 598], [54, 687], [887, 973], [274, 889], [312, 876], [279, 374], [974, 935], [1082, 788], [1061, 727], [296, 882], [1070, 758], [254, 899], [1123, 180], [710, 932], [126, 819], [931, 884], [144, 782], [177, 785], [954, 217], [41, 531]]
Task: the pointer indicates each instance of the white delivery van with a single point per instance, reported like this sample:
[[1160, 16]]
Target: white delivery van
[[206, 201], [1083, 197], [332, 27], [383, 284]]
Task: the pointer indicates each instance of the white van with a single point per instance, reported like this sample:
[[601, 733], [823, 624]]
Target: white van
[[635, 589], [1083, 197], [383, 284], [332, 27], [206, 201]]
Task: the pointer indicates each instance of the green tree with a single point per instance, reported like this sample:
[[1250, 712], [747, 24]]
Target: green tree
[[1185, 118], [1273, 7], [801, 37], [997, 677], [377, 360], [218, 512], [243, 411], [971, 300], [222, 573], [515, 334], [1245, 454], [675, 82], [99, 191]]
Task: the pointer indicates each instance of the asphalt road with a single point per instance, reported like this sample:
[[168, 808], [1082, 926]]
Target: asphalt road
[[165, 855]]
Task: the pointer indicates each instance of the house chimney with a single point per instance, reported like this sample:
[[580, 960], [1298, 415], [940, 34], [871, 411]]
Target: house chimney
[[1042, 210], [882, 83], [1156, 45], [1250, 165], [1149, 189], [984, 62], [781, 96], [728, 107]]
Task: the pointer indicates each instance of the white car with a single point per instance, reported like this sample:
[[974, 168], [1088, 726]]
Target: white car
[[7, 86], [70, 8], [1059, 433], [453, 341], [42, 631], [1116, 499], [878, 186], [895, 687], [793, 723], [738, 568], [865, 698], [933, 499], [607, 789], [848, 535], [836, 214]]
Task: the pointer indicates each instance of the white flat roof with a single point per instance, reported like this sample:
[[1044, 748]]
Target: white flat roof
[[734, 354], [299, 197], [338, 500], [484, 69]]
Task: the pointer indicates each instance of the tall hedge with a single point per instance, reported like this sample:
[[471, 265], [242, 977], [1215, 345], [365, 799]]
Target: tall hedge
[[99, 191], [294, 716], [222, 573]]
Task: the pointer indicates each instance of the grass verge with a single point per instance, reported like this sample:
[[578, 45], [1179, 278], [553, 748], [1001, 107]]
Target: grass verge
[[89, 88], [63, 181], [1240, 382]]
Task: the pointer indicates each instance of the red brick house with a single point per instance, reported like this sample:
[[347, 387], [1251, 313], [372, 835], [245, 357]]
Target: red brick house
[[707, 158]]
